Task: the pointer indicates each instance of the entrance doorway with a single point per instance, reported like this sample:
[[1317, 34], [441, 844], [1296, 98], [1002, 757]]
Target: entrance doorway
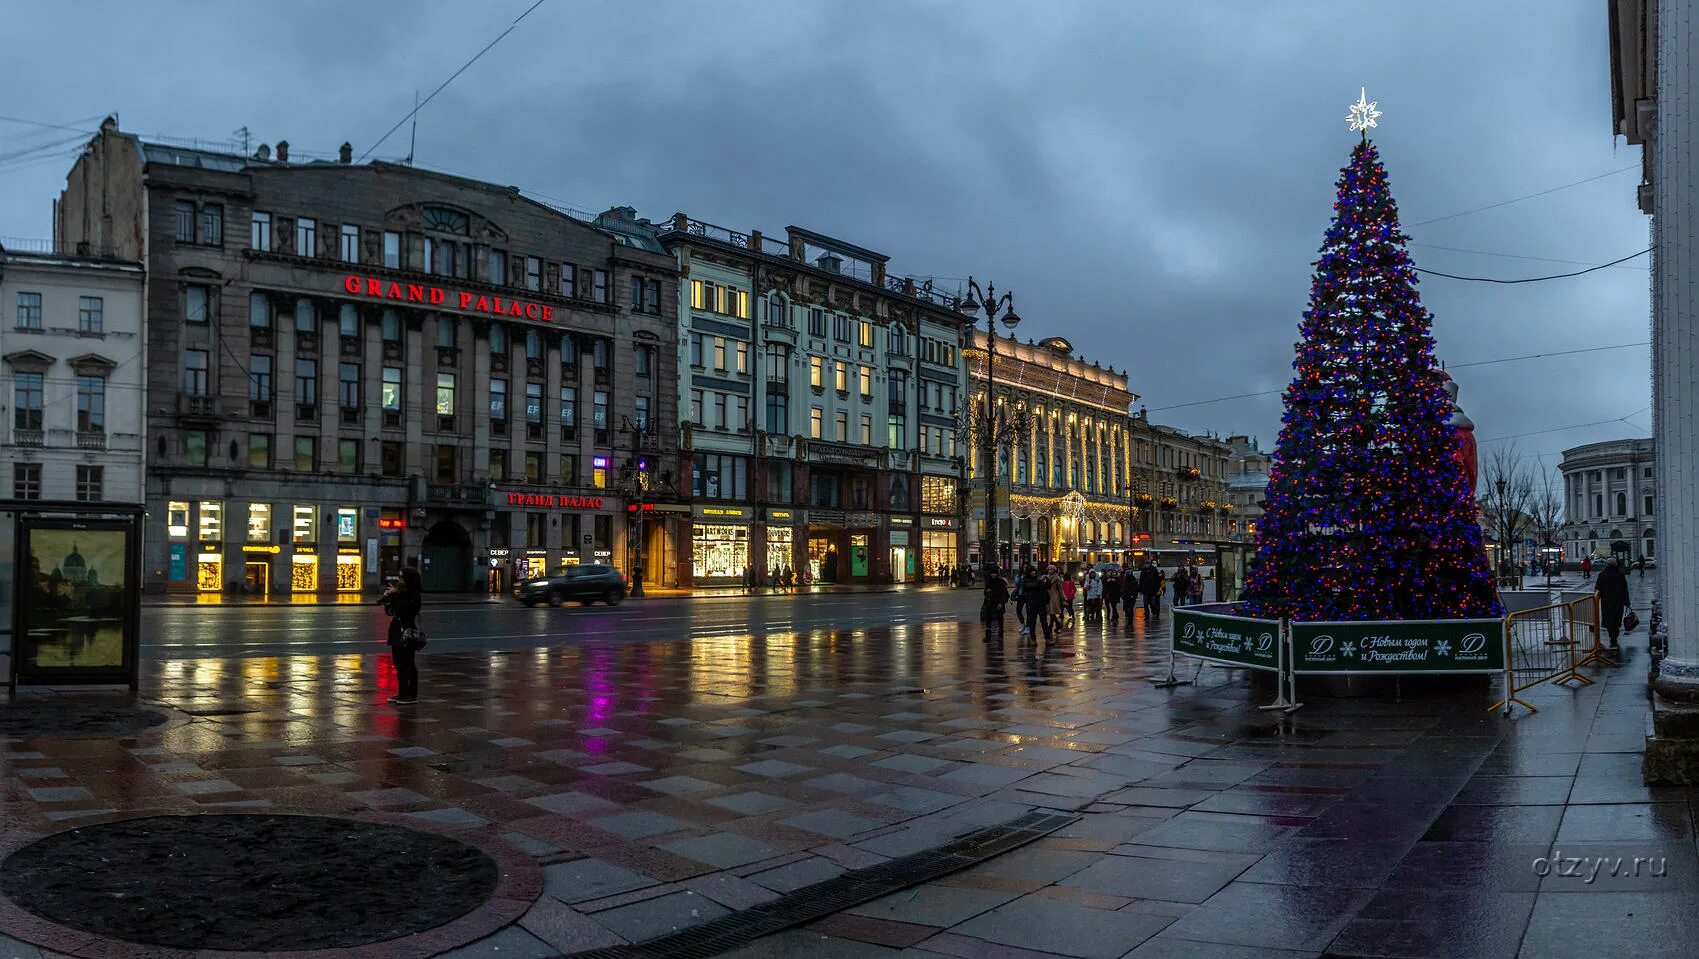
[[257, 578], [447, 558], [824, 555], [497, 580], [899, 564]]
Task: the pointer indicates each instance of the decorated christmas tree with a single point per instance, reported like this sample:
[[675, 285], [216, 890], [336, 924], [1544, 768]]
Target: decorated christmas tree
[[1367, 513]]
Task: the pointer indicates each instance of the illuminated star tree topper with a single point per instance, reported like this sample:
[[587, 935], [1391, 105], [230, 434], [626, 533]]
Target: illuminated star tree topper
[[1363, 114]]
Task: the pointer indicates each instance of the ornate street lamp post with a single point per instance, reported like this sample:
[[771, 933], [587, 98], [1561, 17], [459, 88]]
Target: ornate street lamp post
[[995, 307]]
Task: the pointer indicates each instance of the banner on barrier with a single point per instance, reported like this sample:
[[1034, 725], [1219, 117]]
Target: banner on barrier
[[1230, 640], [1399, 646]]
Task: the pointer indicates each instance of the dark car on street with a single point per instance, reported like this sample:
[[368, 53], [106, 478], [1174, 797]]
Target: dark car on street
[[586, 583]]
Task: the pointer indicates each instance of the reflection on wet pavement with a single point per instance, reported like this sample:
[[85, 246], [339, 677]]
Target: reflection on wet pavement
[[661, 784]]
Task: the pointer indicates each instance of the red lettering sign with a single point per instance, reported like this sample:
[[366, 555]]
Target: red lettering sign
[[376, 289], [554, 501]]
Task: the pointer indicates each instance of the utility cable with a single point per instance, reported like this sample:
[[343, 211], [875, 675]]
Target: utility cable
[[1519, 199], [411, 113], [1531, 279]]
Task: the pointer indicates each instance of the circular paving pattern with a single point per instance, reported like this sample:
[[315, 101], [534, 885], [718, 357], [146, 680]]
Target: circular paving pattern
[[243, 882], [70, 719]]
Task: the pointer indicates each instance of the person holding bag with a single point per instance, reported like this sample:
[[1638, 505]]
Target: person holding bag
[[1613, 598], [403, 601]]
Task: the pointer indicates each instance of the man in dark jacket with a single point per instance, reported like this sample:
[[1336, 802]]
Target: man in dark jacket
[[1112, 595], [996, 597], [1613, 598], [1150, 586]]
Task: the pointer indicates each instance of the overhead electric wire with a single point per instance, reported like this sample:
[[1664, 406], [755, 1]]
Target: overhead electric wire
[[1519, 199], [463, 67], [1509, 256], [1502, 359], [1560, 429], [51, 126], [1531, 279]]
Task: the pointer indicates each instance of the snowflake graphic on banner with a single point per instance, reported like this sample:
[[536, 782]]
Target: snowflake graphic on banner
[[1347, 649], [1443, 648]]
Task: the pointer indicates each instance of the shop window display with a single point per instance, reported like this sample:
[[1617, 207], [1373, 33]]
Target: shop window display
[[720, 552]]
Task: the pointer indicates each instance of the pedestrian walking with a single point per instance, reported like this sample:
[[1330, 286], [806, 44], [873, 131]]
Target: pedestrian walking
[[1197, 585], [1112, 595], [1182, 587], [1150, 587], [1094, 597], [996, 597], [1640, 564], [1053, 583], [1039, 596], [1613, 598], [402, 601], [1586, 567], [1068, 591]]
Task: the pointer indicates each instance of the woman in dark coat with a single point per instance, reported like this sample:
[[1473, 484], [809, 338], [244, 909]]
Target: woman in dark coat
[[402, 602], [1613, 598]]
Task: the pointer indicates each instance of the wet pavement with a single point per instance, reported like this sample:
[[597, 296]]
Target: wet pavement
[[658, 783]]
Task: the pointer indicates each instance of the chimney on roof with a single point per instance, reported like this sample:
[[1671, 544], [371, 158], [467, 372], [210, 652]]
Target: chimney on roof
[[345, 152], [263, 153], [830, 262], [283, 151]]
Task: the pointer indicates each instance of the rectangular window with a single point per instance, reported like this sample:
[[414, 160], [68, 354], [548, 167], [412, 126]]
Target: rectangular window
[[696, 408], [27, 395], [816, 322], [259, 311], [498, 400], [641, 360], [391, 461], [90, 314], [599, 472], [195, 372], [720, 354], [347, 456], [185, 214], [447, 464], [392, 250], [533, 345], [259, 521], [568, 406], [391, 390], [212, 224], [642, 413], [91, 481], [306, 454], [390, 326], [896, 432], [306, 382], [866, 333], [841, 328], [259, 451], [533, 273], [841, 434], [652, 303], [866, 382], [26, 481], [778, 363], [495, 267], [719, 411], [866, 429], [599, 287], [696, 350], [306, 316], [29, 311], [348, 320], [498, 464], [348, 243], [600, 413], [778, 413], [498, 339], [445, 332], [91, 404], [259, 231], [568, 280], [742, 358], [194, 447], [445, 394], [840, 376], [699, 295], [306, 236], [196, 300], [348, 385], [534, 403], [815, 416], [637, 294], [816, 372]]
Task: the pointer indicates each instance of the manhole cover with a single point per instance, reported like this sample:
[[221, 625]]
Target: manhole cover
[[72, 719], [240, 882]]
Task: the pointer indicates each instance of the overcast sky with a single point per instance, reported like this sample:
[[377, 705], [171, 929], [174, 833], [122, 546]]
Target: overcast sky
[[1152, 179]]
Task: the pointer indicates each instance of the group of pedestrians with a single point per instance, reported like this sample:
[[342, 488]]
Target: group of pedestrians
[[1044, 596]]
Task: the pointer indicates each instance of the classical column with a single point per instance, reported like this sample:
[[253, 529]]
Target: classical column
[[1675, 347]]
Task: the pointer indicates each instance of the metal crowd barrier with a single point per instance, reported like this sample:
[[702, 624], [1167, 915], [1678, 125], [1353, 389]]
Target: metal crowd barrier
[[1550, 644]]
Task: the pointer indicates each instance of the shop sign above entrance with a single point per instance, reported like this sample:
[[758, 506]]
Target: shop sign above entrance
[[373, 288], [554, 501], [722, 512]]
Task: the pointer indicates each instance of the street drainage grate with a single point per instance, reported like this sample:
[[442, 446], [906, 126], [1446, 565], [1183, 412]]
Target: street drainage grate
[[835, 895]]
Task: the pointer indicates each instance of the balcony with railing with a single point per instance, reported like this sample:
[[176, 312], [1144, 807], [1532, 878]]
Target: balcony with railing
[[28, 437], [91, 439]]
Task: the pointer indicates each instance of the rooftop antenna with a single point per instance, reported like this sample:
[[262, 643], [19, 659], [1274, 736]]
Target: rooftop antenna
[[242, 132], [413, 138]]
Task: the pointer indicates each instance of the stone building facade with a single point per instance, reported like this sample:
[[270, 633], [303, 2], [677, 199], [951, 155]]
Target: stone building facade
[[1247, 484], [352, 367], [818, 398], [71, 376], [1610, 500]]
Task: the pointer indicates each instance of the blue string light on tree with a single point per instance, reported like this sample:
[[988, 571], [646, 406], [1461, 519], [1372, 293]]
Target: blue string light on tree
[[1367, 514]]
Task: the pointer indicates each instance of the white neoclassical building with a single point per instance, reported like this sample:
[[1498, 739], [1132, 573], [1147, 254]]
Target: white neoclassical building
[[1609, 494], [71, 378]]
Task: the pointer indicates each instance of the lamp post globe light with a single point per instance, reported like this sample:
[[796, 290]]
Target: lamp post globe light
[[987, 422]]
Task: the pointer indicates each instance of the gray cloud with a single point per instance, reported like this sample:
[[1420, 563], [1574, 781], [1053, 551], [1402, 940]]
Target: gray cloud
[[1151, 179]]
